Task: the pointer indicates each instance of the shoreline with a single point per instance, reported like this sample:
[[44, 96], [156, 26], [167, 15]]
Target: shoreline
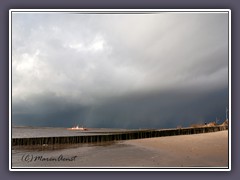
[[72, 137], [198, 150]]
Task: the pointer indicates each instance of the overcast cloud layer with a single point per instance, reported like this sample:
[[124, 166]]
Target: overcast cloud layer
[[119, 70]]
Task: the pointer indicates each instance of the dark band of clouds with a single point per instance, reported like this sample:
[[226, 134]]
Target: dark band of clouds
[[123, 71]]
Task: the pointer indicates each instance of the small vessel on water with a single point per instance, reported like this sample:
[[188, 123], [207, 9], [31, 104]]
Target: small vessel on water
[[78, 128]]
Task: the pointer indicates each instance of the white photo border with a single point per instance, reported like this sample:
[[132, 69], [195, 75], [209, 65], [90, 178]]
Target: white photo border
[[119, 11]]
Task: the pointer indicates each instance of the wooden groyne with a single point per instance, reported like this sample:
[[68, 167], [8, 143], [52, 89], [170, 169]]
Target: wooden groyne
[[127, 135]]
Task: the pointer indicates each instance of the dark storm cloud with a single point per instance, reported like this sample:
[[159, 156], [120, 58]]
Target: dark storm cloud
[[154, 70], [48, 110], [157, 110]]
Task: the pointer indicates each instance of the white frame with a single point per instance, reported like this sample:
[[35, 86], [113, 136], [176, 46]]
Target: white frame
[[118, 11]]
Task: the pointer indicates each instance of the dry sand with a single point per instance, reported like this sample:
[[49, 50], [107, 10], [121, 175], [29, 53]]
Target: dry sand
[[199, 150], [210, 149]]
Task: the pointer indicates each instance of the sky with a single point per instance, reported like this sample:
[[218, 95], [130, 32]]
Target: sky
[[156, 70]]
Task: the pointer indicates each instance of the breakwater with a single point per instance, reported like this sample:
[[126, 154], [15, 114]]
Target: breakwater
[[124, 135]]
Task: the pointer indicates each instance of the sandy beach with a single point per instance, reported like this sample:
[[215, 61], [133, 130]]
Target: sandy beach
[[198, 150]]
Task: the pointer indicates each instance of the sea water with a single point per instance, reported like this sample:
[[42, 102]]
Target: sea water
[[30, 132]]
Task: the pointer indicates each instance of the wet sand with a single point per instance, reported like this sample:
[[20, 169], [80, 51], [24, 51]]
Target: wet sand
[[199, 150]]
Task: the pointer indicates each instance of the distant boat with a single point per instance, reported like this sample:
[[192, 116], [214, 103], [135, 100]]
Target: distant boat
[[78, 128]]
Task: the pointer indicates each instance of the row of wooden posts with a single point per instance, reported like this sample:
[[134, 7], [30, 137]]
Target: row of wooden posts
[[127, 135]]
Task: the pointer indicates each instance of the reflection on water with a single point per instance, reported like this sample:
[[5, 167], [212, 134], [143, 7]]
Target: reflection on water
[[51, 147]]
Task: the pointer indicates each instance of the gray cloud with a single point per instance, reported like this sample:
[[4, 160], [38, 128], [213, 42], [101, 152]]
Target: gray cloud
[[152, 70]]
